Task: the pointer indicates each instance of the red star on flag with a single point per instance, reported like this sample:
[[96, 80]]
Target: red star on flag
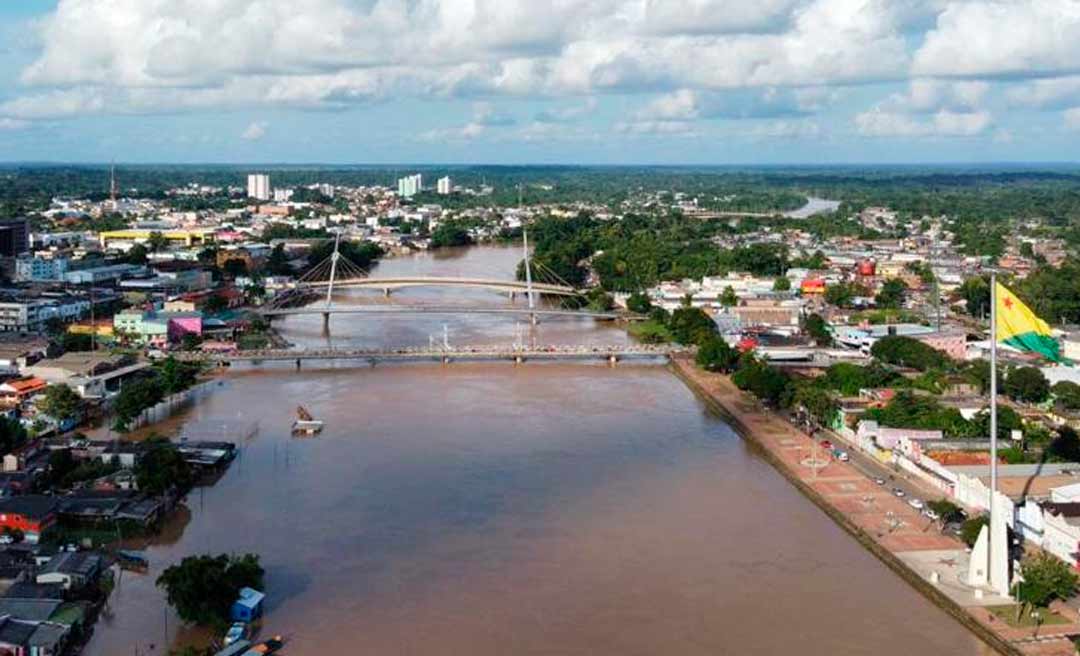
[[1008, 302]]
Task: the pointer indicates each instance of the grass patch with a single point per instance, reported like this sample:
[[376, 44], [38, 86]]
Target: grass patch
[[1007, 614], [650, 332]]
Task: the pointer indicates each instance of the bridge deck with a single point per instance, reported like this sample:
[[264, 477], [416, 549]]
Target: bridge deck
[[436, 309], [399, 282], [436, 355]]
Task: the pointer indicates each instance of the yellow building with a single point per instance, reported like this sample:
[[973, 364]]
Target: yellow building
[[189, 237]]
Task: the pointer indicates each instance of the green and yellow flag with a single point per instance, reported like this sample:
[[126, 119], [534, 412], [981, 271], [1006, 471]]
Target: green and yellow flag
[[1018, 327]]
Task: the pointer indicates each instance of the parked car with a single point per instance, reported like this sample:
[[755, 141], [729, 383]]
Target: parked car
[[238, 631], [916, 504], [879, 481], [843, 457], [898, 492], [826, 444], [930, 514]]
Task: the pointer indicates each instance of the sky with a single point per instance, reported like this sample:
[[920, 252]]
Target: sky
[[540, 81]]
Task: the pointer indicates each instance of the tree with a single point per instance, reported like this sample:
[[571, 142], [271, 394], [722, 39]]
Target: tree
[[909, 352], [1067, 394], [728, 297], [175, 376], [969, 531], [135, 396], [215, 303], [892, 295], [362, 255], [136, 255], [976, 295], [1027, 250], [162, 468], [450, 233], [12, 435], [978, 373], [715, 354], [157, 242], [817, 402], [1046, 578], [202, 589], [638, 302], [767, 383], [277, 263], [946, 510], [1066, 446], [691, 325], [61, 402], [1027, 384], [818, 330], [781, 284], [235, 267]]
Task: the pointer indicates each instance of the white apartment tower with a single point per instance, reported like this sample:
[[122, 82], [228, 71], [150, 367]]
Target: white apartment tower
[[410, 186], [259, 186], [444, 186]]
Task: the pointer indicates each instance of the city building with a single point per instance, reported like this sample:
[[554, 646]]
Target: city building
[[14, 237], [36, 269], [33, 514], [444, 186], [410, 186], [258, 186], [281, 195]]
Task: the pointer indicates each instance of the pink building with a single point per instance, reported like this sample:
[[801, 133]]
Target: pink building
[[184, 323], [952, 343]]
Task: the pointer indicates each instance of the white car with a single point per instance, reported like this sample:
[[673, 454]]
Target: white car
[[843, 457], [237, 631], [930, 514], [916, 504]]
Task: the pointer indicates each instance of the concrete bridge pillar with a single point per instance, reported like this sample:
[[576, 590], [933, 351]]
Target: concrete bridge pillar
[[298, 364], [518, 359], [326, 323], [386, 292], [613, 359], [446, 359]]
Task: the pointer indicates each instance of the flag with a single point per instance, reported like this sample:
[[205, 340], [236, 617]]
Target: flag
[[1018, 327]]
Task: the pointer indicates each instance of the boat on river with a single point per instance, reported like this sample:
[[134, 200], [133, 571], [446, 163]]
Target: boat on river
[[305, 423]]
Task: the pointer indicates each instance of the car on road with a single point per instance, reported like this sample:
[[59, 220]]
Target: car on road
[[826, 444], [238, 631], [843, 456], [916, 504], [879, 481], [898, 492], [930, 514]]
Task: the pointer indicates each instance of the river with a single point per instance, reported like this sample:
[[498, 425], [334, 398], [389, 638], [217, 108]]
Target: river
[[493, 509]]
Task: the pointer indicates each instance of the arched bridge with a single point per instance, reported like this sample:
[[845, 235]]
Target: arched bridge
[[386, 284]]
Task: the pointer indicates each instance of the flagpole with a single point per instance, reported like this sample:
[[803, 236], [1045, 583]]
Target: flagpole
[[993, 417]]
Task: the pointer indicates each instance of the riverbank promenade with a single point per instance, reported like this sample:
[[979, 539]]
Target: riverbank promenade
[[909, 543]]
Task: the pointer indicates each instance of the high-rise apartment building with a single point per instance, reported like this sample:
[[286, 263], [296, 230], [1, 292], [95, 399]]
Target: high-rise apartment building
[[258, 186], [444, 186]]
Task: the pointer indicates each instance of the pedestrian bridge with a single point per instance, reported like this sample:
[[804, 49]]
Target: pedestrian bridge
[[388, 284], [389, 310]]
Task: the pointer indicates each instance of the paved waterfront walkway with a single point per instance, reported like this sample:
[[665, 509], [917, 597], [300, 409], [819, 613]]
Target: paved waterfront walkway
[[888, 520]]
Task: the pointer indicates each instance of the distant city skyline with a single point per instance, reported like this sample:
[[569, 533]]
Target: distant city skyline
[[592, 82]]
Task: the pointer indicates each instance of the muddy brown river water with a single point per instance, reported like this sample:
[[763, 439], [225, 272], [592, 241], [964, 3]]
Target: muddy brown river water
[[494, 509]]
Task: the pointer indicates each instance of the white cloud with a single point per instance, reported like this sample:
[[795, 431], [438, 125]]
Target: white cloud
[[786, 130], [945, 123], [167, 56], [254, 131], [664, 128], [1071, 118], [1002, 38], [12, 124], [568, 113], [682, 105]]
